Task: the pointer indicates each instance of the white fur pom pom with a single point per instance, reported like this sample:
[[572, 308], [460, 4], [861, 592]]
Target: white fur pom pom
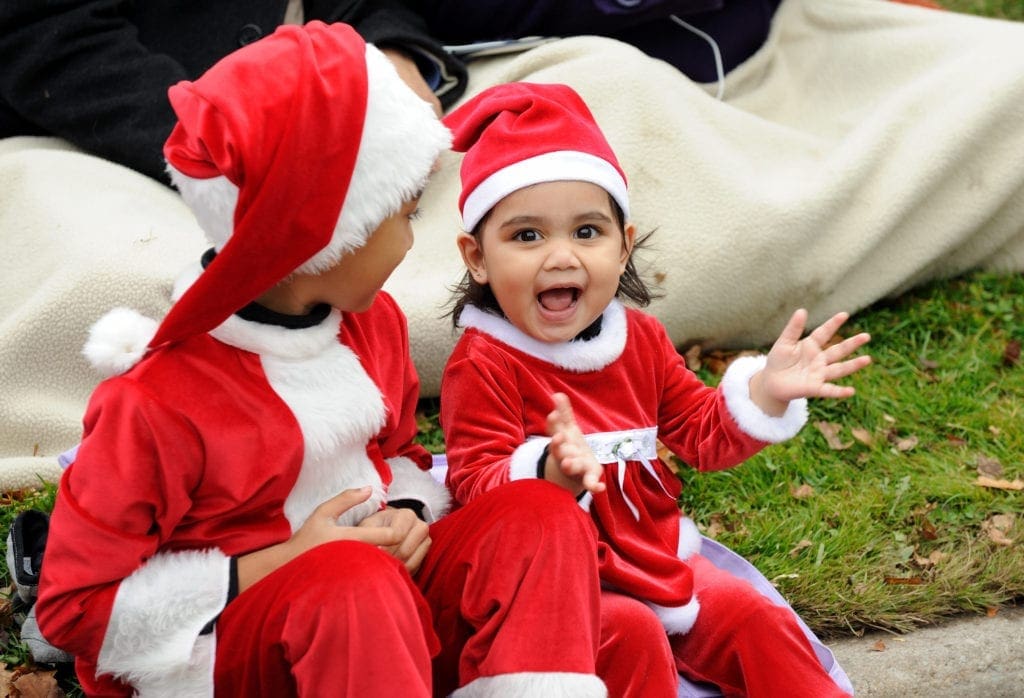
[[118, 341]]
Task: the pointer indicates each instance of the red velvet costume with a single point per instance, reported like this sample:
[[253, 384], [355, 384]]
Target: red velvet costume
[[223, 444], [627, 385]]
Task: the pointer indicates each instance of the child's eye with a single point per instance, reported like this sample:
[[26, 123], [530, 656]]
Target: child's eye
[[587, 232], [415, 214], [526, 236]]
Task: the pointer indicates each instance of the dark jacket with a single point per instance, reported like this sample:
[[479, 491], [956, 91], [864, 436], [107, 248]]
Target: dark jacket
[[96, 72], [738, 27]]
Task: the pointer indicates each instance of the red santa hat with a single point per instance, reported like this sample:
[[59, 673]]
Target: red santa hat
[[290, 152], [518, 134]]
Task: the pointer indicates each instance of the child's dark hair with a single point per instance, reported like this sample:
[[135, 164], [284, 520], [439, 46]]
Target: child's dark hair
[[631, 285]]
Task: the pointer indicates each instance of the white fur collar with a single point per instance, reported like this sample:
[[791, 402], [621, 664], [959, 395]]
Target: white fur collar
[[578, 357]]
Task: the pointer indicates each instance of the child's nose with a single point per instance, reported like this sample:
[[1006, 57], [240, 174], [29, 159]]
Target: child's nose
[[562, 255]]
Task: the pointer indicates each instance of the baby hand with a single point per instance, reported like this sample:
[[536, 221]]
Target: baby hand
[[806, 367], [570, 462]]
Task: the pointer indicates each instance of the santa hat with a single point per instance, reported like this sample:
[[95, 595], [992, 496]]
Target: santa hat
[[518, 134], [291, 151]]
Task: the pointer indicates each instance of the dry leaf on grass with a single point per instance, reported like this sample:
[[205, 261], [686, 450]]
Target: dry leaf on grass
[[906, 443], [802, 545], [1011, 354], [907, 581], [992, 611], [830, 430], [933, 559], [989, 467], [863, 436], [802, 492], [37, 684], [879, 646], [997, 527], [983, 481]]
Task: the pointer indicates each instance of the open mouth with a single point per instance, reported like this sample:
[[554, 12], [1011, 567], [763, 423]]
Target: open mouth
[[558, 299]]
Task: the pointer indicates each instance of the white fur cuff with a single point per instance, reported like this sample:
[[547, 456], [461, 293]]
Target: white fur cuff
[[524, 459], [158, 613], [750, 418], [412, 483]]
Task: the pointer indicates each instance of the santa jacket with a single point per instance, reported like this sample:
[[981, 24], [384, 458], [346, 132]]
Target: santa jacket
[[217, 446], [629, 389]]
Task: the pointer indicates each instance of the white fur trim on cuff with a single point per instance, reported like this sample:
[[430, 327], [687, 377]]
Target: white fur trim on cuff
[[689, 538], [750, 418], [158, 613], [551, 684], [523, 465], [193, 679], [410, 482], [677, 620], [118, 341]]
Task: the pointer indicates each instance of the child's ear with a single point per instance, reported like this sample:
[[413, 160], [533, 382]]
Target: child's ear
[[628, 239], [473, 255]]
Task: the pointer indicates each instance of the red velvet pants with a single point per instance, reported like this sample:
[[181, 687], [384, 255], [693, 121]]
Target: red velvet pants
[[344, 619]]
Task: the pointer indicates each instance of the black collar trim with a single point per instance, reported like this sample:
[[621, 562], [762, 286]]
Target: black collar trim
[[254, 312]]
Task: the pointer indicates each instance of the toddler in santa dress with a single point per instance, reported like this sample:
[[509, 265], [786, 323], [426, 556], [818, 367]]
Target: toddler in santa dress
[[242, 513], [548, 255]]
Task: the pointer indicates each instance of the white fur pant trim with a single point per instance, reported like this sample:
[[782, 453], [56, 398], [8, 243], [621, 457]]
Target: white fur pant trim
[[534, 685]]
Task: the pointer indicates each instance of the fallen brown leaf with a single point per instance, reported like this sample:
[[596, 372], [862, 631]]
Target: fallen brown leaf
[[830, 430], [983, 481], [911, 581], [802, 492], [1011, 354], [996, 431], [907, 443], [928, 531], [933, 559], [660, 276], [863, 436], [992, 611], [989, 467], [879, 646], [997, 527], [37, 684], [802, 545]]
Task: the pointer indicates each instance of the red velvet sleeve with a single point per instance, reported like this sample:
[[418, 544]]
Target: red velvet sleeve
[[128, 488], [482, 418]]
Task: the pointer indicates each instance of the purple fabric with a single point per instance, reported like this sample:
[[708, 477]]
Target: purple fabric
[[738, 27]]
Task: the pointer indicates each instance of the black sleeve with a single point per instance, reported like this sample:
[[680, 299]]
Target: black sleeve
[[75, 69], [394, 23]]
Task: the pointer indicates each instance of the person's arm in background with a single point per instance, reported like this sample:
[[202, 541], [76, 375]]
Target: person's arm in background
[[83, 70], [393, 26], [76, 69]]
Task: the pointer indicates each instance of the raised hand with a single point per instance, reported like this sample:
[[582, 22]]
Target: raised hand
[[807, 367], [570, 462]]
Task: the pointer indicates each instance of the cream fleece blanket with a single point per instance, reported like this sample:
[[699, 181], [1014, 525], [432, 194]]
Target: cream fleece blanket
[[867, 148]]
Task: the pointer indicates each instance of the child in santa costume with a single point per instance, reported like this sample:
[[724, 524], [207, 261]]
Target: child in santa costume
[[239, 517], [548, 256]]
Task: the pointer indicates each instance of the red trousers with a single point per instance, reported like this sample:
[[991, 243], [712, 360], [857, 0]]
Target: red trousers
[[343, 619], [511, 579], [745, 644]]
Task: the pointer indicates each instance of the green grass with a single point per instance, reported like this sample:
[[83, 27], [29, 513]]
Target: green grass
[[1002, 9], [877, 512]]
